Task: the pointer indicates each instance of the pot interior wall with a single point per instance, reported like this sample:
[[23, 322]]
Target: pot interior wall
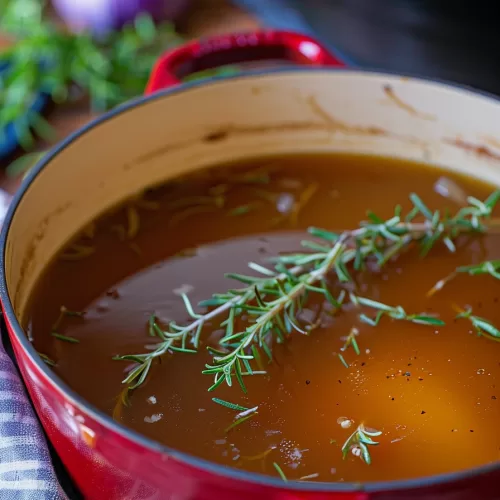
[[278, 113]]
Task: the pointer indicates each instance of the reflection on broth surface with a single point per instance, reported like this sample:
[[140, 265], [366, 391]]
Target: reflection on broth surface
[[425, 395]]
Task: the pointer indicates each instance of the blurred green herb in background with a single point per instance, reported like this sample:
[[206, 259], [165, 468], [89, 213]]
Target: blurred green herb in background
[[109, 69], [44, 57]]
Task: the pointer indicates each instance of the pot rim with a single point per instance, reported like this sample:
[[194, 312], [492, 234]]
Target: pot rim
[[106, 420]]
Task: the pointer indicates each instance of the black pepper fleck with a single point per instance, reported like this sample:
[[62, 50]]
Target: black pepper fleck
[[407, 374], [471, 430], [363, 363], [493, 397], [216, 136], [423, 412], [308, 382], [392, 399]]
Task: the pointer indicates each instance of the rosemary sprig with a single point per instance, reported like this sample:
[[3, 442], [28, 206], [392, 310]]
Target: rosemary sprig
[[396, 312], [491, 267], [483, 327], [351, 341], [274, 299], [360, 439], [168, 338], [63, 313]]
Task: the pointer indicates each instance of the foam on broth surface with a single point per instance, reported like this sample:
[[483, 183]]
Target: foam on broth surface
[[434, 392]]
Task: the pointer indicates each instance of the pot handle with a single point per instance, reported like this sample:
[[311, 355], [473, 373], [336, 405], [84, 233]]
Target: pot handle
[[213, 52]]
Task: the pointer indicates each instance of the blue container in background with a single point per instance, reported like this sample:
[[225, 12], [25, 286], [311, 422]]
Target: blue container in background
[[9, 139]]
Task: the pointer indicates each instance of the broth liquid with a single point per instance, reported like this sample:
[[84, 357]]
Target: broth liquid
[[434, 392]]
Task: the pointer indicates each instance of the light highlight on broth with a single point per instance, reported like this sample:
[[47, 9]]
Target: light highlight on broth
[[426, 393]]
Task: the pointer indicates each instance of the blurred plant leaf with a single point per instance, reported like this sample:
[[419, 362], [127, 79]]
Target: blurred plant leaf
[[110, 69], [45, 58], [24, 164]]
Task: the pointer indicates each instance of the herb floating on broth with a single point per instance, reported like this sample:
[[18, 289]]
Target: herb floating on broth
[[357, 443], [491, 267], [274, 300], [280, 472], [65, 313], [264, 278], [482, 326]]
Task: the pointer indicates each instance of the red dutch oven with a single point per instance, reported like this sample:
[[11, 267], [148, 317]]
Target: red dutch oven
[[177, 128]]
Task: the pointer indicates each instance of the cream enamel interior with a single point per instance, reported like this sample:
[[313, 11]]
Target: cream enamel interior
[[277, 113]]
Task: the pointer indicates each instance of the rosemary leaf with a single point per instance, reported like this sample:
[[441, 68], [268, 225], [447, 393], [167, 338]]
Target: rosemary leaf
[[343, 361], [239, 421], [47, 360], [361, 438], [231, 406], [280, 472], [482, 326], [65, 338]]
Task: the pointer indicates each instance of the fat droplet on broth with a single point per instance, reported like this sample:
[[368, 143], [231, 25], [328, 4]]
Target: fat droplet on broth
[[344, 422], [285, 203], [156, 417], [356, 451], [183, 289]]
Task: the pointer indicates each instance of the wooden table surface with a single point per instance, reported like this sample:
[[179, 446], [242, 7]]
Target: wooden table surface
[[206, 17]]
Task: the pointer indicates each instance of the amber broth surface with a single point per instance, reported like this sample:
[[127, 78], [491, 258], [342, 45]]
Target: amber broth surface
[[433, 392]]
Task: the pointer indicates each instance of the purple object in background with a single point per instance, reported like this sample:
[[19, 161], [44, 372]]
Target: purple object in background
[[104, 15]]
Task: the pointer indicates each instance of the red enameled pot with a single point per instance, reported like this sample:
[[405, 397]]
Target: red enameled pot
[[323, 108]]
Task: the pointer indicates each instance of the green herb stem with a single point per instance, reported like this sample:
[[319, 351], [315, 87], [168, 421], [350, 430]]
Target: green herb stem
[[490, 267], [279, 470], [483, 327], [274, 299], [361, 439]]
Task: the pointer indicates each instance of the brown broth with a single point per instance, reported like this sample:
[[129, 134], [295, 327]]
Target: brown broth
[[433, 392]]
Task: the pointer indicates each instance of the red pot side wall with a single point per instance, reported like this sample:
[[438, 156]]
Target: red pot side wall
[[106, 464]]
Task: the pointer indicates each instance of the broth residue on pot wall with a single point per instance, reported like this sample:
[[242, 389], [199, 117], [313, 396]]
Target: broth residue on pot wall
[[424, 392]]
